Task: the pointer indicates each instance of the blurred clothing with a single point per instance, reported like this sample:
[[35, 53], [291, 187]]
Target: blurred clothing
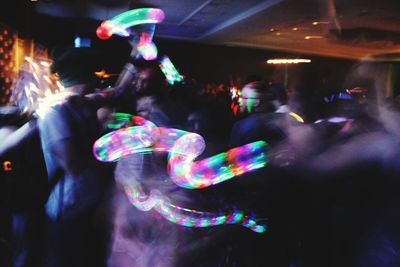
[[268, 127], [68, 132], [73, 191]]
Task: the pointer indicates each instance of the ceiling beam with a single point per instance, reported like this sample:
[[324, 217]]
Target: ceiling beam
[[244, 15], [194, 12]]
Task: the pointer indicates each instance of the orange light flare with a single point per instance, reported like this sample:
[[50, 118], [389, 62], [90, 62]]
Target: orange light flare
[[355, 90], [104, 75]]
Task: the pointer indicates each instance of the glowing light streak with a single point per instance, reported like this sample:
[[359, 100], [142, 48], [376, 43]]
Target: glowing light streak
[[34, 90], [146, 47], [308, 37], [120, 23], [183, 148], [319, 22], [45, 63], [296, 116], [234, 91], [103, 74], [47, 79], [171, 73], [183, 216], [213, 170], [288, 61], [50, 100]]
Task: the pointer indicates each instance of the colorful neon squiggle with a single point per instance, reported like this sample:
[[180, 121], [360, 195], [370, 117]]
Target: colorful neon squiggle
[[183, 148], [119, 24], [213, 170]]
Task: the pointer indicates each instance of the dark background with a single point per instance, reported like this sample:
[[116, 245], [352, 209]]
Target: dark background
[[203, 62]]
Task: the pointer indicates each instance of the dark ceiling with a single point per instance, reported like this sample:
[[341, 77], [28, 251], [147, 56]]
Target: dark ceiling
[[349, 29]]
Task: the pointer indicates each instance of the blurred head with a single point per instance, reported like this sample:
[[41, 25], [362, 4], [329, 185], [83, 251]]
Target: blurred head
[[256, 97], [75, 66], [149, 79], [195, 122], [150, 108], [281, 93], [145, 106]]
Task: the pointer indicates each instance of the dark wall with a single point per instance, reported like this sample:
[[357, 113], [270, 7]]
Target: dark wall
[[218, 64], [212, 63], [206, 63]]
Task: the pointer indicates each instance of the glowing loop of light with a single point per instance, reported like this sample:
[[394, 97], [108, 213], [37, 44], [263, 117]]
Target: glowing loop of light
[[183, 216], [120, 23], [213, 170], [183, 147]]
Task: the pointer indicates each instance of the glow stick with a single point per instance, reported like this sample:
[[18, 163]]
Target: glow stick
[[171, 73]]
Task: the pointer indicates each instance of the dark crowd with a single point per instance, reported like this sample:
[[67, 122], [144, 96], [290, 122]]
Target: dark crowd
[[328, 193]]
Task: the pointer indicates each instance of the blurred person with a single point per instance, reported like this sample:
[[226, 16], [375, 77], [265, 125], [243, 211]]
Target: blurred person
[[20, 220], [33, 82], [270, 191], [355, 178], [260, 121], [67, 132], [213, 121], [139, 77], [140, 238], [144, 238], [283, 95], [25, 181]]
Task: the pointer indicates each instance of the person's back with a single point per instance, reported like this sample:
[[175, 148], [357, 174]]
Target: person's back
[[268, 191], [68, 131]]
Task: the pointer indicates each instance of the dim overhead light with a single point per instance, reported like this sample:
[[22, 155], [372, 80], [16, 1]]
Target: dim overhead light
[[308, 37], [288, 61], [319, 22]]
